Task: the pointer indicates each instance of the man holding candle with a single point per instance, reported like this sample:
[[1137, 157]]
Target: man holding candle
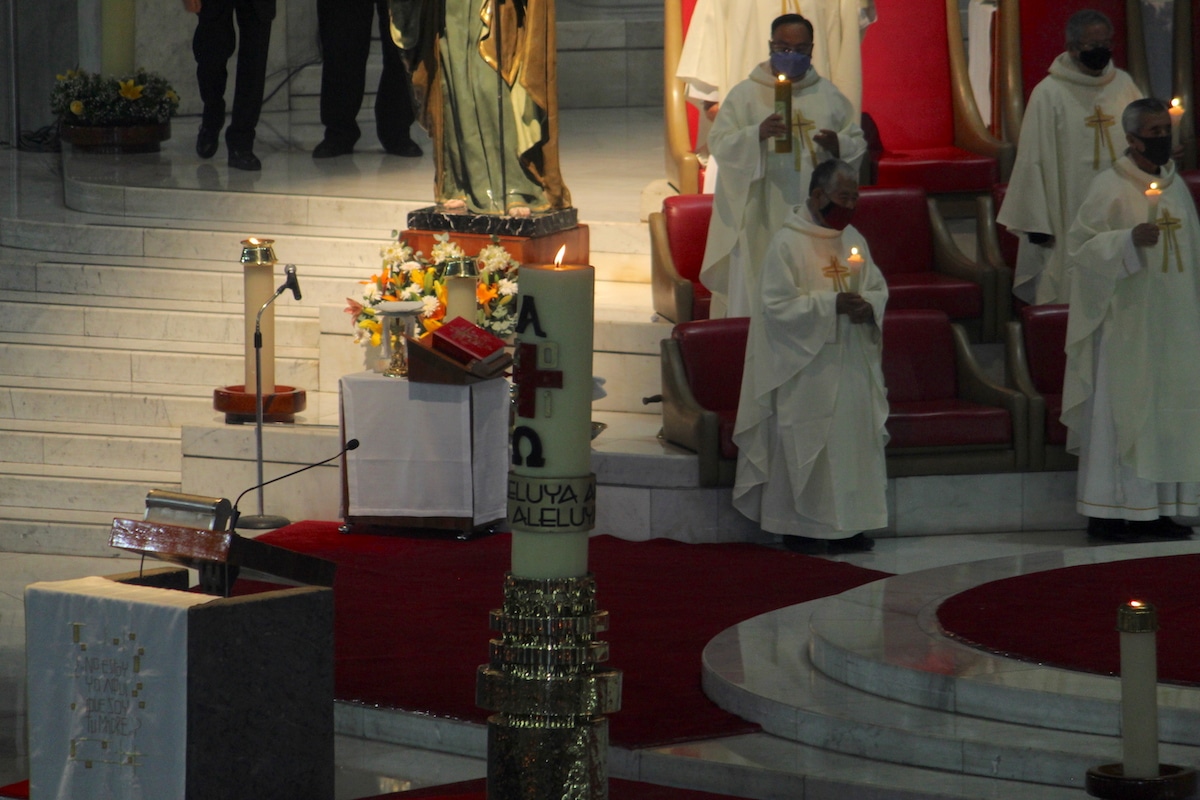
[[1068, 135], [759, 185], [1130, 400], [810, 425]]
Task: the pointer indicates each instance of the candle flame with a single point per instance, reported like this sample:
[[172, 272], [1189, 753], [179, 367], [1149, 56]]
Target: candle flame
[[252, 240], [558, 258], [1153, 186], [853, 251], [1175, 102], [781, 77], [1135, 604]]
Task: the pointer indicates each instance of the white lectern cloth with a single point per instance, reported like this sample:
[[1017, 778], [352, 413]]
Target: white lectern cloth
[[427, 449], [107, 687]]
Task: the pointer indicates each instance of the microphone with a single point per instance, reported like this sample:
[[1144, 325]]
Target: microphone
[[236, 515], [292, 282]]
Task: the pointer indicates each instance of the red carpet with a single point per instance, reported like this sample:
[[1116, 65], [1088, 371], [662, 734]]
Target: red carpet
[[1067, 617], [412, 619]]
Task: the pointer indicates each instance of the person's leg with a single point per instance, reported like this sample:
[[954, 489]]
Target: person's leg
[[394, 114], [250, 82], [345, 32], [212, 44]]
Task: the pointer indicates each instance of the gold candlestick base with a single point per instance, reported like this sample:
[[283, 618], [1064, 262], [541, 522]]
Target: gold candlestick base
[[548, 737]]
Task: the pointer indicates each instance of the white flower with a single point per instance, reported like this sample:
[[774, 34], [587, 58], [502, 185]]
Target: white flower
[[410, 265], [431, 305], [410, 293], [507, 287]]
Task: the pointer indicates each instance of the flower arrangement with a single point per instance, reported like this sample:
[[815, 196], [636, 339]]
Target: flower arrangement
[[88, 99], [409, 275]]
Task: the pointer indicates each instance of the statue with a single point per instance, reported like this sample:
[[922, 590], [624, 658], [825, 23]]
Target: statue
[[491, 111]]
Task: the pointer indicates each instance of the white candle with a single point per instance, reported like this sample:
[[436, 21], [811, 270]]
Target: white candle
[[854, 263], [1137, 623], [1153, 195], [551, 487], [258, 285], [460, 298], [1176, 112]]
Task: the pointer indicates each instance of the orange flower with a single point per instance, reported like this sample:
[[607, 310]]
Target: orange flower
[[486, 292]]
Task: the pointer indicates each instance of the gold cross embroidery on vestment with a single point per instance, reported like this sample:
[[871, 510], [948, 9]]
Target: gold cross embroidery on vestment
[[789, 7], [803, 131], [837, 273], [1100, 123], [1168, 225]]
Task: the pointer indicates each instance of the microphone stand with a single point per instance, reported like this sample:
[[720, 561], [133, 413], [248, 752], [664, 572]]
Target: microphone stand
[[261, 521]]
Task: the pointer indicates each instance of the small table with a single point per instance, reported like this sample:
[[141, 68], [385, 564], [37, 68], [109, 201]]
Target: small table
[[431, 455]]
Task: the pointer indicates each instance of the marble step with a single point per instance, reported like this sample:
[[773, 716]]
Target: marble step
[[803, 704], [121, 492], [110, 367], [758, 766], [333, 230], [150, 330], [30, 401], [36, 449], [30, 530]]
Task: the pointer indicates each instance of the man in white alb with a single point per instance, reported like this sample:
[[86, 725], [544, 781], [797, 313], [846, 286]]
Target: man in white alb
[[1131, 392], [758, 185], [1069, 134], [810, 425]]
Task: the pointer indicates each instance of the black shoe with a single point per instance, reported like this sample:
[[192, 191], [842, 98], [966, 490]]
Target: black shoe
[[331, 149], [206, 141], [806, 545], [244, 159], [406, 149], [858, 543], [1161, 528], [1110, 530]]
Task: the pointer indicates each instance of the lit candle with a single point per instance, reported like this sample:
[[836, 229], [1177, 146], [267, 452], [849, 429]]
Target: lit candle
[[1176, 112], [1153, 195], [855, 264], [783, 107], [551, 488], [1137, 622]]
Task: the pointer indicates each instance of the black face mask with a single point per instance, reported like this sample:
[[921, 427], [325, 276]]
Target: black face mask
[[1157, 148], [835, 216], [1095, 59]]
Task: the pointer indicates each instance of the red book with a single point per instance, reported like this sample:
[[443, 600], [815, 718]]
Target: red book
[[466, 342]]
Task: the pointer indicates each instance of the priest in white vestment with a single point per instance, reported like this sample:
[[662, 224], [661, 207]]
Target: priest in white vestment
[[1069, 134], [759, 186], [1131, 393], [724, 43], [810, 426]]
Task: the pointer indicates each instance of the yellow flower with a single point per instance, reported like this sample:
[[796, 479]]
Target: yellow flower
[[77, 108], [130, 90], [71, 73], [171, 95]]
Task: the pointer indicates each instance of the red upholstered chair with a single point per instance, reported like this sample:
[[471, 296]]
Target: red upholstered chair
[[998, 249], [918, 95], [701, 382], [682, 118], [946, 416], [923, 267], [1036, 360], [1032, 36], [677, 237]]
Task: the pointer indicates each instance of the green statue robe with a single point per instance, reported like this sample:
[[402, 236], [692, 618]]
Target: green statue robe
[[462, 100]]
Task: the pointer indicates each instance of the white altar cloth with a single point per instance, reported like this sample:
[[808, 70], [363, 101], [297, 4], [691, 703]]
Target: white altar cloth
[[427, 449], [107, 688]]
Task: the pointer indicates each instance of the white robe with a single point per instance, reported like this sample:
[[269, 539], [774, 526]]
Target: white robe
[[728, 38], [810, 426], [1131, 392], [1057, 158], [758, 186]]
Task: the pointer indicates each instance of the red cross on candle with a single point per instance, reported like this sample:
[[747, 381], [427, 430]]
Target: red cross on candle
[[529, 379]]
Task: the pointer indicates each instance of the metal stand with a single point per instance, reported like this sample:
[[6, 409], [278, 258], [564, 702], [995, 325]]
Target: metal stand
[[262, 521]]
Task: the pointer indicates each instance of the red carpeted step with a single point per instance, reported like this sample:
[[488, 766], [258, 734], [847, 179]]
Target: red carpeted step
[[412, 618], [1068, 617]]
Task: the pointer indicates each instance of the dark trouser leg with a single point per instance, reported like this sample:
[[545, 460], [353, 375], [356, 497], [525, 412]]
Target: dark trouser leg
[[212, 45], [345, 30], [393, 100], [251, 78]]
